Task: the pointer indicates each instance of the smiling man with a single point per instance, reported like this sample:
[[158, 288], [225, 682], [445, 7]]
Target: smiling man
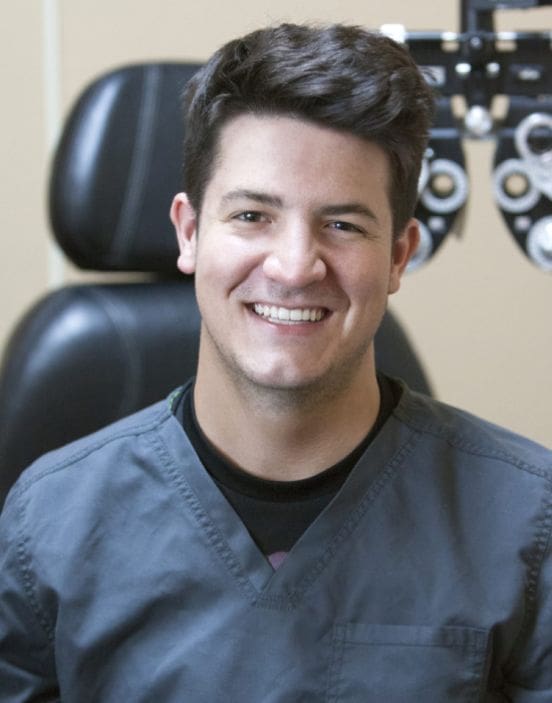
[[290, 526], [302, 215]]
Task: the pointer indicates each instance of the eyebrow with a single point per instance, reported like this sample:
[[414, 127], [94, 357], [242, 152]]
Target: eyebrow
[[348, 209], [257, 196]]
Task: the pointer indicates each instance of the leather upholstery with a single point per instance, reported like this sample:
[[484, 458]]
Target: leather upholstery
[[87, 355], [117, 167]]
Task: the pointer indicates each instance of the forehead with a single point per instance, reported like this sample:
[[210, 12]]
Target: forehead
[[287, 154]]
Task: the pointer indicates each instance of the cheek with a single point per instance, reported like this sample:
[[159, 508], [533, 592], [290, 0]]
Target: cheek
[[364, 279], [223, 264]]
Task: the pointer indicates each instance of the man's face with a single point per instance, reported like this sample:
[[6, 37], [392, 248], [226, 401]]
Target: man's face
[[294, 257]]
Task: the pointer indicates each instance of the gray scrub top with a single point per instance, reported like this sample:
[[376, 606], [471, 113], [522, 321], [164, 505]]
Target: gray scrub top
[[125, 576]]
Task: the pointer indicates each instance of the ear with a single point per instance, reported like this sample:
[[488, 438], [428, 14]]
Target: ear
[[403, 247], [184, 219]]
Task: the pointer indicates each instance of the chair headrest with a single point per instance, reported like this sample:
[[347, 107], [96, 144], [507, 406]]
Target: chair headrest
[[117, 167]]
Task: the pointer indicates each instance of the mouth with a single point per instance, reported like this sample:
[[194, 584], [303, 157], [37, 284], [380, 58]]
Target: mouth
[[288, 316]]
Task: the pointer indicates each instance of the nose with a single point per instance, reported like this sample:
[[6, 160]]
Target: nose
[[295, 258]]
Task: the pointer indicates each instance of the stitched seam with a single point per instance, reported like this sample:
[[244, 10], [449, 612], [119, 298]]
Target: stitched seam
[[542, 543], [27, 579], [352, 522], [340, 640], [213, 534], [336, 664], [23, 553], [373, 493], [24, 484], [478, 640], [542, 533], [463, 442], [467, 647]]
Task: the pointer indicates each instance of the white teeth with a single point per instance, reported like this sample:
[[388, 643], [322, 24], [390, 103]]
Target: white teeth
[[287, 315]]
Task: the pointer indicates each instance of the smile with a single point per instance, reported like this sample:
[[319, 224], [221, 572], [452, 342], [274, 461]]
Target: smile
[[280, 315]]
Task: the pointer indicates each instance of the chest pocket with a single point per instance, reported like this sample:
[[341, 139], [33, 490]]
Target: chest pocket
[[404, 664]]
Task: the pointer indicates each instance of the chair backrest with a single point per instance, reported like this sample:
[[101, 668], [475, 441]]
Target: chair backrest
[[117, 167], [86, 355]]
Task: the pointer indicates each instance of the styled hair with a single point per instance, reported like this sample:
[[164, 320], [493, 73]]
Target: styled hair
[[342, 77]]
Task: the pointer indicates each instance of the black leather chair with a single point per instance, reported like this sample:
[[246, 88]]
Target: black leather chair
[[87, 355]]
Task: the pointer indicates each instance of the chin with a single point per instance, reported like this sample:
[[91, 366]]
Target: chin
[[298, 383], [284, 381]]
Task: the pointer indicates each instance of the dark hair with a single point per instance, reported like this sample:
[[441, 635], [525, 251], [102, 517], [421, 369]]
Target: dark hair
[[342, 77]]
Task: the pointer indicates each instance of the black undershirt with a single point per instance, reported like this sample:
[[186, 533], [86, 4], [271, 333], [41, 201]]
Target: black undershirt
[[276, 513]]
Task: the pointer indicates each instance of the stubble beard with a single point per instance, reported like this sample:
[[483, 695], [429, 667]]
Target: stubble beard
[[305, 396]]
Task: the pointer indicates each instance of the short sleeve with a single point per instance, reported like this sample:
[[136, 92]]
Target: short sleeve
[[529, 673], [27, 668]]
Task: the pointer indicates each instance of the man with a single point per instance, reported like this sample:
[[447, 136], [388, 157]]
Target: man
[[290, 526]]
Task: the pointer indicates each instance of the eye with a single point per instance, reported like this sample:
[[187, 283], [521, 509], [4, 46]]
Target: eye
[[250, 216], [346, 226]]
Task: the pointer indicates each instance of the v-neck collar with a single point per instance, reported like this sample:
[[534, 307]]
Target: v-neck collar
[[325, 537]]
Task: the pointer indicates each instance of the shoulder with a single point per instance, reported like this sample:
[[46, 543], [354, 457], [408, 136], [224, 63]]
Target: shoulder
[[83, 506], [464, 434], [105, 455]]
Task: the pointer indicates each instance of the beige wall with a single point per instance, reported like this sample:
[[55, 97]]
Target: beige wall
[[479, 313]]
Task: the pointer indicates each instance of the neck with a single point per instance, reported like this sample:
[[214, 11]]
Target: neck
[[280, 434]]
